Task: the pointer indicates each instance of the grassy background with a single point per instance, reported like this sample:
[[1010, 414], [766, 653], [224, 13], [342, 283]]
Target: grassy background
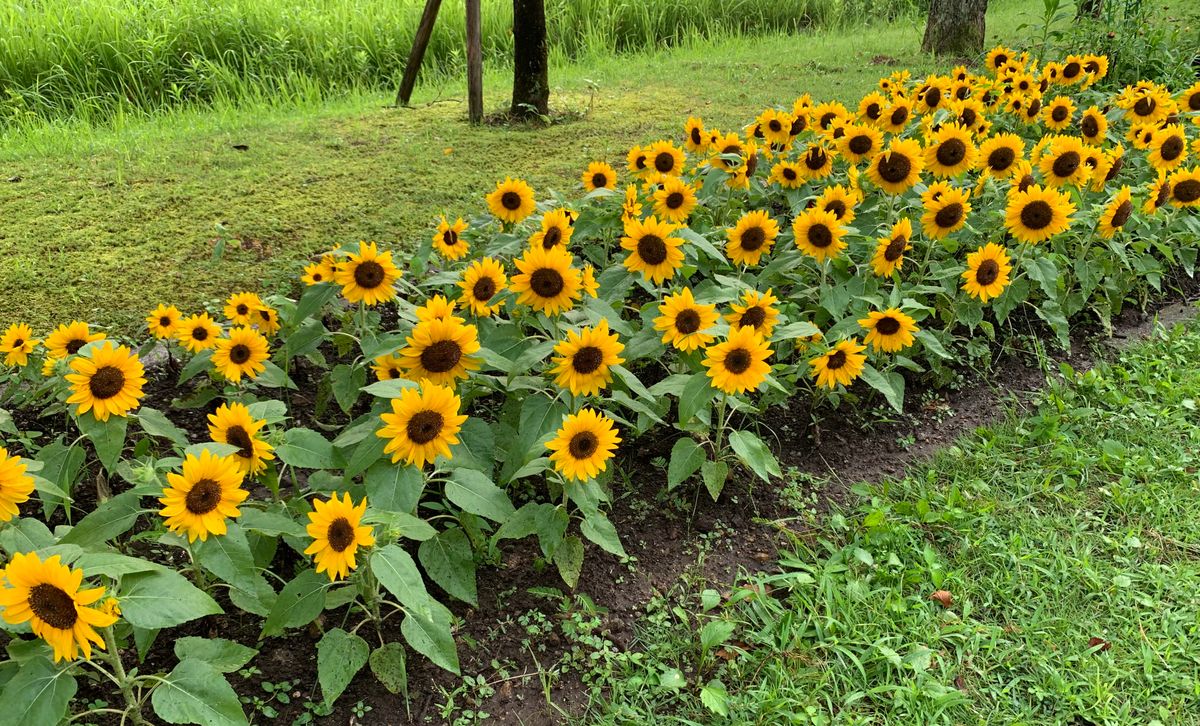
[[92, 59], [105, 223], [1078, 521]]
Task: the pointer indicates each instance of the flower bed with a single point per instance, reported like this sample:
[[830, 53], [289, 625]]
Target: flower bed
[[396, 424]]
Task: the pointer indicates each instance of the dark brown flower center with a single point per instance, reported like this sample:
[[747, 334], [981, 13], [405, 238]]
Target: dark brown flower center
[[1171, 148], [798, 126], [1000, 159], [450, 238], [816, 158], [951, 152], [675, 200], [837, 206], [687, 321], [510, 201], [887, 326], [1164, 193], [1037, 215], [483, 289], [753, 238], [968, 117], [1066, 164], [962, 93], [664, 162], [1121, 215], [738, 361], [18, 343], [697, 139], [441, 357], [1059, 114], [819, 236], [424, 426], [601, 180], [587, 360], [753, 317], [242, 309], [552, 237], [199, 333], [53, 606], [1091, 67], [106, 382], [1026, 182], [652, 249], [949, 215], [340, 534], [933, 97], [826, 119], [1000, 60], [546, 282], [987, 272], [239, 354], [1071, 70], [239, 437], [369, 274], [873, 111], [860, 144], [1187, 191], [895, 248], [203, 497], [1090, 126], [164, 322], [583, 445], [894, 167], [1193, 101], [775, 126], [899, 116], [789, 173], [836, 360], [1145, 106], [73, 346]]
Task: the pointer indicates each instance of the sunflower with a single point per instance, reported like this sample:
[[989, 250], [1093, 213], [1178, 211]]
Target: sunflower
[[441, 351], [652, 250], [583, 361], [266, 320], [337, 534], [636, 161], [1096, 68], [481, 283], [840, 364], [726, 145], [860, 142], [1185, 187], [787, 174], [631, 208], [826, 115], [889, 251], [998, 57], [898, 168], [556, 230], [423, 424], [599, 175], [198, 332], [587, 281], [232, 424], [163, 321], [776, 126], [388, 367], [1001, 153], [367, 277], [1116, 213], [581, 449], [1058, 113], [695, 137], [971, 115], [896, 117], [240, 307], [15, 485], [738, 364], [1063, 162], [1093, 125], [840, 201], [1169, 148], [1150, 105], [675, 200], [547, 282], [17, 343], [1038, 213], [511, 201], [108, 382], [319, 273], [946, 214], [756, 311], [434, 308], [1141, 135], [1160, 192], [198, 500], [753, 237], [666, 159], [950, 151], [69, 338], [816, 162], [241, 353], [932, 94], [448, 240], [684, 322], [871, 107], [890, 331], [987, 272], [818, 234], [46, 595], [1190, 98]]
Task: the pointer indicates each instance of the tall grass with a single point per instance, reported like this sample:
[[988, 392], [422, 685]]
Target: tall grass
[[93, 59]]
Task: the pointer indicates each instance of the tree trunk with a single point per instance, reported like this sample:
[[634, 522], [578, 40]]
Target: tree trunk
[[955, 27], [1089, 8], [531, 72]]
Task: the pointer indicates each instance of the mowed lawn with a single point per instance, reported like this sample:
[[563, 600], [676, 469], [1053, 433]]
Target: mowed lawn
[[104, 224]]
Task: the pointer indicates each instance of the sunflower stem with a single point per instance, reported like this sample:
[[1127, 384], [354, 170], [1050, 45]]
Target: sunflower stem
[[132, 706]]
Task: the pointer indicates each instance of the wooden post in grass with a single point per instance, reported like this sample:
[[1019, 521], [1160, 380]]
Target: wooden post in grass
[[474, 62], [955, 27], [531, 62], [417, 54]]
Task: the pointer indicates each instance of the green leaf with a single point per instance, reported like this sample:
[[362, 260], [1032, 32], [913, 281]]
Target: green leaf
[[24, 535], [932, 344], [340, 656], [162, 599], [365, 455], [890, 384], [229, 558], [431, 637], [315, 297], [1044, 272], [477, 494], [196, 692], [448, 560], [224, 655], [389, 665], [154, 423], [715, 698], [199, 363], [599, 529], [715, 633], [686, 458], [403, 524], [568, 558], [393, 488], [695, 397], [271, 411], [476, 448], [108, 437], [347, 382], [112, 518], [39, 693], [270, 523], [754, 453], [539, 417], [390, 389], [299, 603], [113, 564], [305, 449], [396, 571], [714, 474]]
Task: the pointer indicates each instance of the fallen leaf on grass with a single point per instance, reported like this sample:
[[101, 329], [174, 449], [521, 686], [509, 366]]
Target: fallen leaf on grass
[[943, 597]]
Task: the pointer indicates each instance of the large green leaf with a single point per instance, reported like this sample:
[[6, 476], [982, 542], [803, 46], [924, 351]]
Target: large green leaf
[[162, 599], [112, 518], [347, 382], [108, 437], [39, 693], [196, 692], [476, 493], [389, 665], [229, 558], [568, 557], [431, 637], [686, 458], [224, 655], [299, 603], [600, 530], [755, 454], [393, 488], [396, 571], [340, 656], [890, 384], [154, 423], [305, 449], [695, 397], [450, 563]]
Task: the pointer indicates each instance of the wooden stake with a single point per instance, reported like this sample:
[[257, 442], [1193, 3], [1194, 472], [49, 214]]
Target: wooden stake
[[417, 54], [474, 62]]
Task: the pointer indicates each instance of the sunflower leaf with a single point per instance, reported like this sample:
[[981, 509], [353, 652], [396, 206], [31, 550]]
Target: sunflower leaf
[[340, 656], [448, 560]]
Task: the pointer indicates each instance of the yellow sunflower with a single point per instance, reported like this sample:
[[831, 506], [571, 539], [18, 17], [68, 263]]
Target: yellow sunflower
[[388, 367], [684, 322], [665, 158], [636, 161], [17, 343], [889, 331], [932, 94], [840, 364], [1063, 162], [319, 273], [872, 106], [738, 364], [434, 308], [998, 57], [652, 250], [587, 281], [776, 126], [1093, 125], [556, 230], [1160, 192], [839, 200], [1169, 148], [757, 310], [47, 595], [266, 320], [108, 382], [1189, 100], [481, 283], [368, 276], [198, 332], [695, 137], [897, 169], [752, 238], [1037, 214], [787, 174], [950, 151], [859, 142], [423, 424], [816, 162], [1001, 154], [1116, 213], [1058, 113], [580, 450], [232, 424], [163, 321], [897, 116], [547, 282], [582, 361], [987, 272], [441, 350], [69, 338], [207, 492], [337, 532], [241, 353], [599, 175], [675, 200], [448, 239], [240, 307], [631, 208], [948, 213], [818, 234], [889, 251], [15, 485], [512, 200], [1185, 187]]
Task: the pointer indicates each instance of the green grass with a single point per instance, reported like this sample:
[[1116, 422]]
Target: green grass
[[105, 223], [92, 59], [1079, 520]]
